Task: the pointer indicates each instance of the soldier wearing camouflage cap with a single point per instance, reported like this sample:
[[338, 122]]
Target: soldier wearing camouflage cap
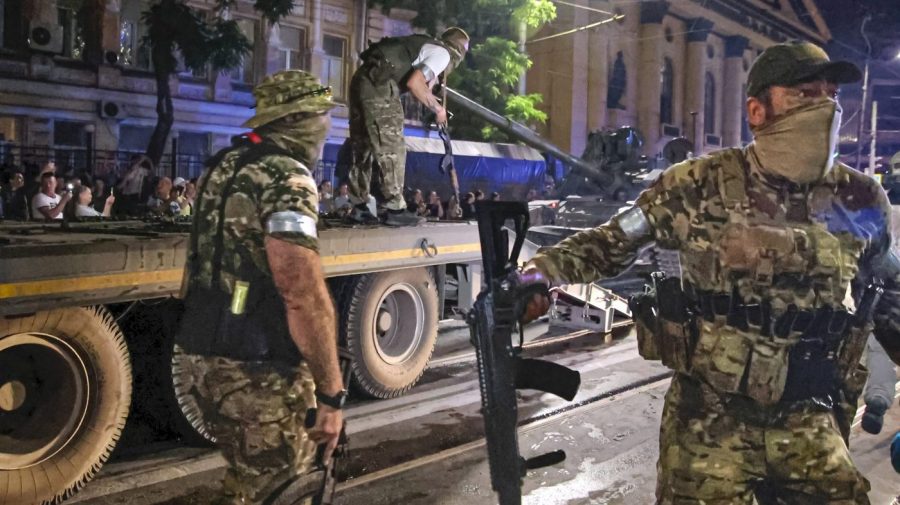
[[257, 340], [781, 247], [414, 63]]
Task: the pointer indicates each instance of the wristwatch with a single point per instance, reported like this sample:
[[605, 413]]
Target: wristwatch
[[336, 402]]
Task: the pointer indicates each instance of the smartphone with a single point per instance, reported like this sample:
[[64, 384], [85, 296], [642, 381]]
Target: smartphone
[[70, 187]]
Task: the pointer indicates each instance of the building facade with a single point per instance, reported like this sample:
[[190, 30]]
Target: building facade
[[670, 68], [61, 107]]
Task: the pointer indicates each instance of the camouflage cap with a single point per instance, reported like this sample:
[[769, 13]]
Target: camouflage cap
[[792, 63], [289, 92]]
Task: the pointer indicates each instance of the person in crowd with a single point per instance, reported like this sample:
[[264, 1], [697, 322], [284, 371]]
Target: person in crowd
[[98, 191], [132, 187], [418, 206], [495, 196], [468, 206], [47, 204], [532, 195], [163, 202], [15, 203], [326, 197], [454, 210], [342, 200], [435, 206], [479, 195], [83, 206]]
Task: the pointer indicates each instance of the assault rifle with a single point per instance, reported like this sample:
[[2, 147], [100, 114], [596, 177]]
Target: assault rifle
[[501, 369], [318, 484]]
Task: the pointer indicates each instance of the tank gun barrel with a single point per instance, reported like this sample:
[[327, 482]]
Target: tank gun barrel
[[522, 133]]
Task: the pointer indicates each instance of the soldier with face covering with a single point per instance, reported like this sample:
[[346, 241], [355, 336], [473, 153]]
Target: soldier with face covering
[[782, 252], [258, 333], [390, 67]]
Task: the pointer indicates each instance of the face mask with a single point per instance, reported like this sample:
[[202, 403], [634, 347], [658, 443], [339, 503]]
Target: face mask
[[302, 138], [800, 145]]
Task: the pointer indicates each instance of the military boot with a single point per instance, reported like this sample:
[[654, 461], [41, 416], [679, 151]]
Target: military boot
[[361, 215], [873, 418], [403, 218]]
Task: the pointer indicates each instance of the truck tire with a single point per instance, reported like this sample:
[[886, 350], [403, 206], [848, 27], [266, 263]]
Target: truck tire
[[65, 392], [390, 322]]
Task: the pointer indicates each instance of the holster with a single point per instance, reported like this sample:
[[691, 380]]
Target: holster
[[260, 333], [666, 326]]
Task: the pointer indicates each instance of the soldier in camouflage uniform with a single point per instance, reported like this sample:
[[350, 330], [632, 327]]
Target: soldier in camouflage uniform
[[390, 67], [771, 238], [258, 333]]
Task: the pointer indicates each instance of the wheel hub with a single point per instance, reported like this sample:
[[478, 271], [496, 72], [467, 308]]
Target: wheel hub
[[12, 395], [44, 393], [399, 323], [385, 321]]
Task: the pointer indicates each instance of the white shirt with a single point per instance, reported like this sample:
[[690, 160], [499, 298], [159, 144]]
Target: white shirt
[[433, 59], [85, 211], [342, 201], [41, 200]]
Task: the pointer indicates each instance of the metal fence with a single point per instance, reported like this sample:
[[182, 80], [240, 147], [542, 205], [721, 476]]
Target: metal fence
[[96, 163]]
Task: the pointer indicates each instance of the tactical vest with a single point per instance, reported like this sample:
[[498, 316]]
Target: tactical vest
[[250, 323], [769, 288], [391, 58]]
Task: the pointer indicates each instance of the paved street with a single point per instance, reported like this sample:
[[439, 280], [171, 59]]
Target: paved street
[[427, 447]]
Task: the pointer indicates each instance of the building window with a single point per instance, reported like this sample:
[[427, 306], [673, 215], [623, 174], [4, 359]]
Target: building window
[[243, 73], [333, 64], [133, 50], [709, 105], [73, 39], [618, 81], [12, 25], [293, 50], [667, 92], [69, 134]]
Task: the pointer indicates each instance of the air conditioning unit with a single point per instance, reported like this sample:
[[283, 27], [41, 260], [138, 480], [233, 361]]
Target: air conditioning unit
[[668, 130], [46, 38], [110, 110]]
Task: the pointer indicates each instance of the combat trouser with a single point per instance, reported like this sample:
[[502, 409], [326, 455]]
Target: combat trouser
[[722, 449], [882, 374], [256, 412], [376, 141]]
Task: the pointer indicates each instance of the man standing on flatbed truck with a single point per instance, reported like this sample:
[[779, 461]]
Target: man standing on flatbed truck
[[259, 325], [390, 67]]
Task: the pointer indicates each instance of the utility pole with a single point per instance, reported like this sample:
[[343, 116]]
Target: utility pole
[[874, 132], [865, 89]]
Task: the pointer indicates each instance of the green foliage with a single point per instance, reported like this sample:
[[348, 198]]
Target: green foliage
[[490, 78], [494, 65]]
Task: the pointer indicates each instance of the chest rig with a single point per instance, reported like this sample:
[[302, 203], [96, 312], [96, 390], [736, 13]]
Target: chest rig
[[767, 272]]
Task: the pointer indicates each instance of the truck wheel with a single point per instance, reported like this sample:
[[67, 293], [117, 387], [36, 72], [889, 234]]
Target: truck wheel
[[65, 392], [390, 322]]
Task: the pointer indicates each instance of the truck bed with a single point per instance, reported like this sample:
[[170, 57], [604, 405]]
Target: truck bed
[[47, 265]]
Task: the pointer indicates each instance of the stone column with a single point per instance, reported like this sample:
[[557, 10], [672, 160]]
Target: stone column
[[732, 91], [695, 78], [649, 69], [598, 79], [580, 51], [315, 38]]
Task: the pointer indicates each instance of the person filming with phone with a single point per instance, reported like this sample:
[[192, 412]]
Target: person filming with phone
[[47, 204]]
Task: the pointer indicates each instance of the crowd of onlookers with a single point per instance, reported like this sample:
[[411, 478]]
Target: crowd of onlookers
[[432, 207], [46, 193]]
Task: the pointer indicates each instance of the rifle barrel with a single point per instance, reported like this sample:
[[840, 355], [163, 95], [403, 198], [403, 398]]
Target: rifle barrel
[[522, 133]]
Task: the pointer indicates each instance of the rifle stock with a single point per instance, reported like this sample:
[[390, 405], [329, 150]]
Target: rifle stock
[[501, 370]]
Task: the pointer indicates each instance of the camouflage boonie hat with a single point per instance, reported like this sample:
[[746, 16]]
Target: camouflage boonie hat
[[792, 63], [289, 92]]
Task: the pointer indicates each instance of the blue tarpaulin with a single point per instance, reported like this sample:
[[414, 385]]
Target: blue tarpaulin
[[508, 169]]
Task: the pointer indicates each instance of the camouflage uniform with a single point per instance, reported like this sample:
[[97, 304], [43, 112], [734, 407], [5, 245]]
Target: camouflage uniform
[[376, 117], [726, 431], [255, 408]]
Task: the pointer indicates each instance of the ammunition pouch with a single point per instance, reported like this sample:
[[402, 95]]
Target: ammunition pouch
[[379, 69], [665, 324], [258, 333]]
